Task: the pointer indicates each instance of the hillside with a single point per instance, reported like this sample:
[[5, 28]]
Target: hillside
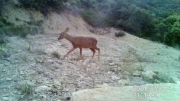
[[125, 61]]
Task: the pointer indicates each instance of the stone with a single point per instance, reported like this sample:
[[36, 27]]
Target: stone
[[137, 74], [114, 77], [5, 98], [103, 86], [111, 64], [8, 99], [149, 92], [42, 88], [173, 80], [149, 74], [43, 96], [21, 73], [122, 82], [8, 79]]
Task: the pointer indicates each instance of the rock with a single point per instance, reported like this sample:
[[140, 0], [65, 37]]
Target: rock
[[114, 77], [8, 99], [103, 86], [119, 68], [173, 80], [21, 73], [137, 74], [5, 98], [126, 73], [8, 79], [57, 83], [149, 74], [149, 92], [51, 61], [120, 33], [43, 96], [111, 64], [122, 82], [42, 88]]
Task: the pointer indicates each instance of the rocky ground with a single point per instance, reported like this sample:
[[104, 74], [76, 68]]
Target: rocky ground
[[35, 64]]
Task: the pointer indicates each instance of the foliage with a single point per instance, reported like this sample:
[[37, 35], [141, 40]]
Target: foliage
[[3, 37], [3, 51], [25, 89], [169, 30], [95, 18], [158, 78], [56, 54], [43, 5], [21, 31], [156, 20], [1, 5]]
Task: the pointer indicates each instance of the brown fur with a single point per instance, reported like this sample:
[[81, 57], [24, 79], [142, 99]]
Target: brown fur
[[80, 42]]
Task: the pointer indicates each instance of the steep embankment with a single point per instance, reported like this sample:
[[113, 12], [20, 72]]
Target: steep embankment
[[125, 61]]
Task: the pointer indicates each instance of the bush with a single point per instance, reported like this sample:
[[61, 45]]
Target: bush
[[56, 54], [3, 38], [25, 89], [1, 5], [168, 30], [21, 31], [158, 78], [43, 5], [96, 19], [173, 37]]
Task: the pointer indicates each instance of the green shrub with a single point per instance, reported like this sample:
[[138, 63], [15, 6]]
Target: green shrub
[[173, 37], [1, 5], [170, 30], [56, 54], [158, 78], [89, 16], [4, 22], [25, 89], [43, 5], [154, 20], [3, 52], [21, 31], [96, 19], [3, 38]]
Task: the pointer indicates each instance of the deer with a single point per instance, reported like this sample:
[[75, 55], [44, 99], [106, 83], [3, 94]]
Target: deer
[[80, 42]]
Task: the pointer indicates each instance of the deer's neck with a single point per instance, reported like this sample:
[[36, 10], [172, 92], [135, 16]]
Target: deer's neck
[[70, 38]]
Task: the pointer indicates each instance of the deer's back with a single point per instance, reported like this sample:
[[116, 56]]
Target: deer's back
[[85, 42]]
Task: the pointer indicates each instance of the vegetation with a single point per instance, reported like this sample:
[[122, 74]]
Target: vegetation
[[157, 20], [56, 54], [25, 89], [158, 78], [43, 5], [2, 2], [21, 31]]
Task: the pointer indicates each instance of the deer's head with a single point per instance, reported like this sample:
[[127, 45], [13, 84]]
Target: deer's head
[[63, 34]]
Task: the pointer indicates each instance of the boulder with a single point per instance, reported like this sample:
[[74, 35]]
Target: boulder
[[149, 92], [122, 82], [42, 88]]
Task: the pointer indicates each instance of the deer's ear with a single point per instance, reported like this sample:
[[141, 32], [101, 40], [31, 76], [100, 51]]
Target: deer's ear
[[67, 29]]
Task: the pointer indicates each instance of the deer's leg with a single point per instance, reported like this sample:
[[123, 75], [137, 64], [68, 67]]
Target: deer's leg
[[98, 52], [69, 52], [93, 51], [80, 52]]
